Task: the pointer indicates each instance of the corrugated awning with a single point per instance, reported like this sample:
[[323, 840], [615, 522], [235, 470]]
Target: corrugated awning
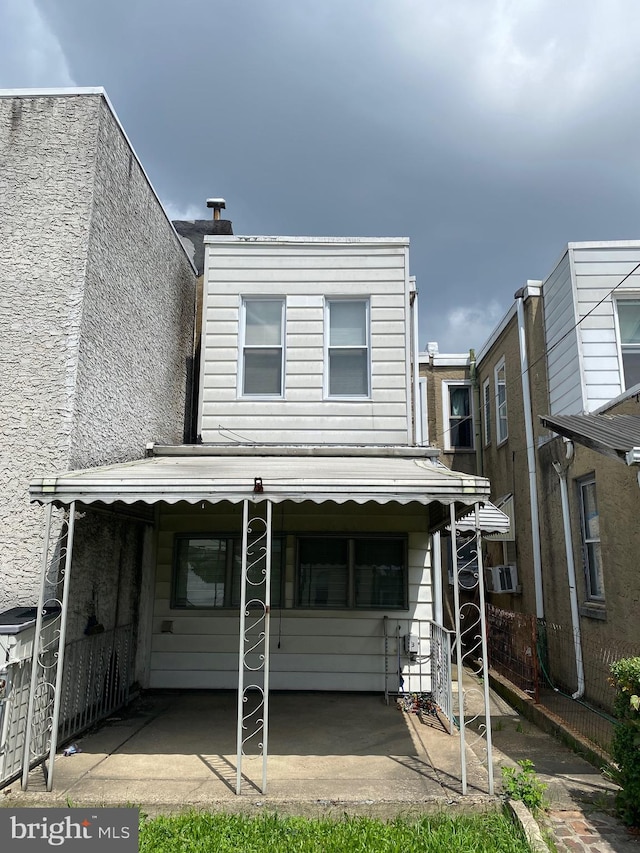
[[170, 479], [617, 436], [491, 520]]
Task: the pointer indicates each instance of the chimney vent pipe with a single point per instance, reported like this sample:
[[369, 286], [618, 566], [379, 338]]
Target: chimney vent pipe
[[217, 204]]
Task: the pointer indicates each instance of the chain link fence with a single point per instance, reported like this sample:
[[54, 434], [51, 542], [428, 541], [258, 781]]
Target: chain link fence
[[539, 657]]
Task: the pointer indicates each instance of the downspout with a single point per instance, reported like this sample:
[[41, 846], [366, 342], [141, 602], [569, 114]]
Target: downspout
[[475, 409], [531, 455], [418, 415], [571, 575]]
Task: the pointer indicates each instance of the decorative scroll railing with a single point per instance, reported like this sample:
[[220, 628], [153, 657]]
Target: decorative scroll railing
[[253, 660], [97, 675], [470, 648]]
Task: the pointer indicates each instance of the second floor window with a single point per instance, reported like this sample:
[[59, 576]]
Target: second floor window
[[458, 421], [486, 411], [347, 348], [629, 324], [262, 347], [502, 427]]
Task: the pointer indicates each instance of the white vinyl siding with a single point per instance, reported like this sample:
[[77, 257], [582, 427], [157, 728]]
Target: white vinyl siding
[[308, 274], [563, 358], [311, 649], [585, 359]]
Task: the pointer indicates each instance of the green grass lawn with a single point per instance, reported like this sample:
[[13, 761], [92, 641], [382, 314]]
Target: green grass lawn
[[201, 833]]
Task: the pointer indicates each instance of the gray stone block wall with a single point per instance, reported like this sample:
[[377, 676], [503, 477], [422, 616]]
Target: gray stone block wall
[[96, 312]]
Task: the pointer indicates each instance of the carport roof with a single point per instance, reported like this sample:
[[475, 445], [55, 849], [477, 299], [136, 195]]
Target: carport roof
[[336, 476], [617, 436]]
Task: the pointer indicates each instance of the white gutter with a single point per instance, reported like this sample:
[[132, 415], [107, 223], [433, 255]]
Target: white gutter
[[571, 577], [531, 456]]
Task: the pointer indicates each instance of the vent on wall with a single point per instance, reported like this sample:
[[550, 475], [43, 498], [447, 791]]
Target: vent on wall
[[502, 578]]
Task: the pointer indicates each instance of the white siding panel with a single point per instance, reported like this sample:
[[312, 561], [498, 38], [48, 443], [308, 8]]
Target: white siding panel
[[563, 359], [627, 254], [282, 277], [323, 650], [613, 267], [306, 274]]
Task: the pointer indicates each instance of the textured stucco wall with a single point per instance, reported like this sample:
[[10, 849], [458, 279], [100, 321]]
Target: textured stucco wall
[[96, 312], [47, 152], [137, 323]]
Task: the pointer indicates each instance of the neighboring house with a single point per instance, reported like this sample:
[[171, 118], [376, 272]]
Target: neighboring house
[[564, 361], [97, 306]]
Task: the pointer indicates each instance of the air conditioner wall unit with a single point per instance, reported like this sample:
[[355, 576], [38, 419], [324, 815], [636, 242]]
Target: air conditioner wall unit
[[502, 578]]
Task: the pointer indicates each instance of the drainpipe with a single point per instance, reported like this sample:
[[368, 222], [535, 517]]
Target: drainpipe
[[476, 409], [571, 573], [418, 415], [531, 454]]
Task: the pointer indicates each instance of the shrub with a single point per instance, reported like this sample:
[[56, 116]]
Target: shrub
[[524, 785], [626, 737]]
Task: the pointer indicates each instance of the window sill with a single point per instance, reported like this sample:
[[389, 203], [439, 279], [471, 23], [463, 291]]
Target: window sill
[[591, 610]]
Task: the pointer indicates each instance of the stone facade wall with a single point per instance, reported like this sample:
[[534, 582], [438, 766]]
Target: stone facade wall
[[134, 368], [96, 311], [48, 152]]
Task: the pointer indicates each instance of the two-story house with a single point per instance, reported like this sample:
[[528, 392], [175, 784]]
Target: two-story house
[[561, 362], [299, 528]]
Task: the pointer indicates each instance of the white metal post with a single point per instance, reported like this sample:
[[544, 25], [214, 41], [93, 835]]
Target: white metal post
[[456, 599], [57, 696], [485, 655], [243, 607], [26, 759], [265, 683]]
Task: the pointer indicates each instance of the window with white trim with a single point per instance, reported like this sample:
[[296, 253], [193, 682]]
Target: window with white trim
[[502, 427], [360, 572], [590, 529], [347, 348], [207, 571], [262, 347], [458, 415], [629, 325], [486, 411]]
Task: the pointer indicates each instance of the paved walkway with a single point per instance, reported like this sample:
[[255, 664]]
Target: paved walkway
[[581, 816], [328, 754]]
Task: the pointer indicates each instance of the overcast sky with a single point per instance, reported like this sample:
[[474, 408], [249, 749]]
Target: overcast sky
[[491, 132]]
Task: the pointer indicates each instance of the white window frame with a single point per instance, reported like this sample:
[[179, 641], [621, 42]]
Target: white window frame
[[447, 385], [627, 297], [327, 346], [486, 412], [501, 436], [589, 570], [242, 346]]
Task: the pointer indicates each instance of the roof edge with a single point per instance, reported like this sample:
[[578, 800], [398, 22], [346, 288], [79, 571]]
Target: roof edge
[[100, 91]]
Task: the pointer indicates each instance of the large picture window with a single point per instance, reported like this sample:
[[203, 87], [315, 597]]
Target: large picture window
[[590, 522], [357, 572], [207, 572], [262, 347], [458, 420], [629, 325], [347, 348]]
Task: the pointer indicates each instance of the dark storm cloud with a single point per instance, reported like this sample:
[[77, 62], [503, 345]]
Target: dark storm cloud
[[489, 132]]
